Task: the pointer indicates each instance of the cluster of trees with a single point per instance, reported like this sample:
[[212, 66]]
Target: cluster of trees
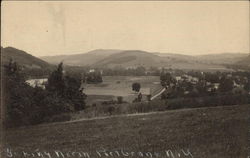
[[120, 71], [167, 79], [67, 87], [25, 105], [93, 77], [207, 101], [138, 71], [207, 84]]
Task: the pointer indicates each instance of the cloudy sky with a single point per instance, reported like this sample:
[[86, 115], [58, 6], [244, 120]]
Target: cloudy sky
[[192, 27]]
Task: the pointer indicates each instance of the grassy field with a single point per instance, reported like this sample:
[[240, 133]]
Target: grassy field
[[113, 86], [219, 132]]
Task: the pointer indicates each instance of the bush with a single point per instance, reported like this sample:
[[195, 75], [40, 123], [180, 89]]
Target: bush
[[149, 97], [136, 87], [110, 109], [120, 99]]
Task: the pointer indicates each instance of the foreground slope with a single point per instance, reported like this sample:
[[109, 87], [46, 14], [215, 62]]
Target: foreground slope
[[219, 132]]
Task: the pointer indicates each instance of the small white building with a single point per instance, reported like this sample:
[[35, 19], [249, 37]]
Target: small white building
[[37, 82], [92, 70]]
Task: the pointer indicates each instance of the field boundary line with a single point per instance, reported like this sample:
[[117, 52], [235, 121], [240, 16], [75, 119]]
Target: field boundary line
[[146, 113], [135, 114]]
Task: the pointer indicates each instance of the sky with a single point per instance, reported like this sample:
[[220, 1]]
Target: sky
[[71, 27]]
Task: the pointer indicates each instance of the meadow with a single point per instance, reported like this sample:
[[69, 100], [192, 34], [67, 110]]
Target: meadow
[[217, 132], [114, 86]]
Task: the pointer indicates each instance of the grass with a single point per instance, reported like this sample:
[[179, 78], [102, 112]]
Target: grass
[[121, 86], [219, 132], [91, 99]]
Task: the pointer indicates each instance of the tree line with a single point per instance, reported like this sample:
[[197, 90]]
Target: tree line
[[205, 84]]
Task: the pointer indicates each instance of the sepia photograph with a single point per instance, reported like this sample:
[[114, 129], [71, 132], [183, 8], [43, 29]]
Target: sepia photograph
[[125, 79]]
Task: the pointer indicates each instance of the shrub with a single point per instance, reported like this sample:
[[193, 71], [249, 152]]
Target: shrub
[[149, 97], [111, 109], [136, 87], [120, 99]]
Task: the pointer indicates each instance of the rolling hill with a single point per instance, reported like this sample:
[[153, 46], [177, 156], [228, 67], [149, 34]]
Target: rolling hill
[[84, 59], [124, 58], [223, 58], [131, 58], [22, 58], [135, 58], [245, 61], [111, 58]]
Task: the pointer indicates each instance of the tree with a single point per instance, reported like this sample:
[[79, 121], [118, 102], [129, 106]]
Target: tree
[[139, 97], [212, 77], [226, 84], [94, 77], [149, 97], [201, 87], [13, 91], [140, 71], [167, 79], [247, 86], [74, 93], [56, 81], [67, 88], [136, 87], [25, 105], [120, 99]]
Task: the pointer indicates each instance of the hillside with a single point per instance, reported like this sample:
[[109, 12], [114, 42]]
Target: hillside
[[84, 59], [111, 58], [219, 132], [124, 58], [177, 56], [244, 62], [22, 58], [131, 58], [135, 58], [223, 58]]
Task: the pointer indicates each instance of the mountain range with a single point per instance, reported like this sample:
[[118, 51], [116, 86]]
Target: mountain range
[[84, 59], [111, 58]]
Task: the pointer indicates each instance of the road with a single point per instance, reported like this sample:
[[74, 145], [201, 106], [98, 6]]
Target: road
[[158, 94]]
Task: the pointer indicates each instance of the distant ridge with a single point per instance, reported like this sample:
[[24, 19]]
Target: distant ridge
[[111, 58], [222, 58], [83, 59], [245, 61]]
